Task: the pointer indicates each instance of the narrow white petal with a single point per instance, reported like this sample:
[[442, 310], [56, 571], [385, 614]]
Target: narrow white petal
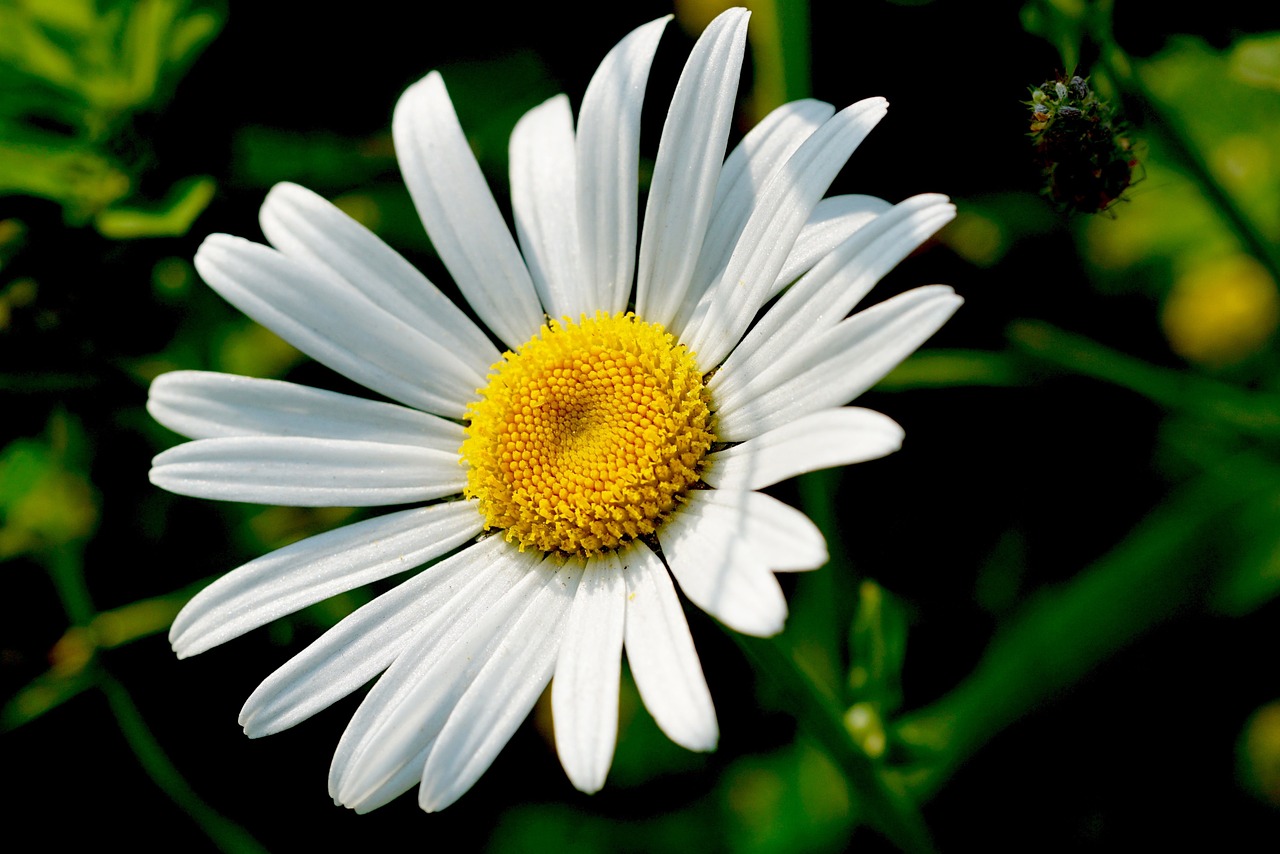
[[832, 437], [364, 643], [305, 472], [206, 405], [834, 220], [409, 721], [690, 155], [499, 570], [762, 151], [460, 215], [584, 693], [783, 208], [831, 289], [337, 325], [836, 366], [318, 567], [303, 225], [707, 548], [660, 651], [516, 672], [608, 163], [545, 201], [777, 535]]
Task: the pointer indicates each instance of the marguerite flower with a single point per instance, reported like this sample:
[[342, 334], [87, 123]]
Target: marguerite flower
[[618, 442]]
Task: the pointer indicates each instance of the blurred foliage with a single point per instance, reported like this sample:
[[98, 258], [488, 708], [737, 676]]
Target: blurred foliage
[[73, 74], [1129, 356]]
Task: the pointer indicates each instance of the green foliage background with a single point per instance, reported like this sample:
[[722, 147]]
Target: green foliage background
[[1047, 621]]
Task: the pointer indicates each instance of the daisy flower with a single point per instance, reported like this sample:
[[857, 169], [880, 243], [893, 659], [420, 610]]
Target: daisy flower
[[603, 429]]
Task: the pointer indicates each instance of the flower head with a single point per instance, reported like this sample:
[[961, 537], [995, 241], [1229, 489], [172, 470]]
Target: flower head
[[619, 441]]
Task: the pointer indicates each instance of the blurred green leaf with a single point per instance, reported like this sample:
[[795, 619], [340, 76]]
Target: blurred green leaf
[[877, 649], [1256, 413], [172, 217], [1251, 570], [792, 800], [60, 169], [1158, 570], [1061, 23], [73, 73], [45, 693], [104, 57], [266, 156], [46, 498], [884, 805], [942, 368]]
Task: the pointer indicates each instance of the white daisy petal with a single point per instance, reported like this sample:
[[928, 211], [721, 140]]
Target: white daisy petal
[[461, 217], [783, 208], [318, 567], [832, 437], [515, 632], [687, 168], [365, 642], [497, 570], [823, 297], [518, 671], [545, 200], [838, 365], [305, 472], [336, 325], [584, 693], [706, 546], [568, 444], [206, 405], [833, 221], [303, 225], [660, 651], [608, 162], [762, 151], [777, 535]]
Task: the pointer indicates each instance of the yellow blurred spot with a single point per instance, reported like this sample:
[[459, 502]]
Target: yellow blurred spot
[[1243, 162], [1221, 312], [58, 507], [976, 238], [362, 208], [172, 275], [763, 33], [20, 293], [755, 794], [256, 351], [280, 526], [694, 15], [1256, 61], [864, 724], [1259, 753], [72, 652], [135, 620]]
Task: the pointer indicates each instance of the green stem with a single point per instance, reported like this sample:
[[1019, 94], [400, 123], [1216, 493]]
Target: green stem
[[1255, 413], [226, 834], [1062, 635], [65, 563], [1119, 68], [884, 804], [793, 40]]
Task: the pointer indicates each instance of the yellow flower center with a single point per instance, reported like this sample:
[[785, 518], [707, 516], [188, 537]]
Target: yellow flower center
[[586, 437]]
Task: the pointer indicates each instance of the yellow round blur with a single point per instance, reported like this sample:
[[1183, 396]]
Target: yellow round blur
[[1221, 312]]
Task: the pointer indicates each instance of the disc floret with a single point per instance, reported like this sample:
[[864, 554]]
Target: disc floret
[[586, 437]]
